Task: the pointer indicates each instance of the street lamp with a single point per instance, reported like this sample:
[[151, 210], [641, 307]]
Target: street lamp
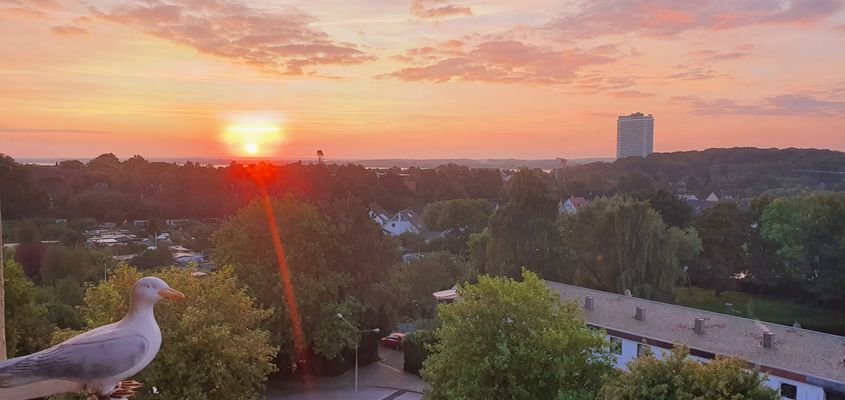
[[357, 341]]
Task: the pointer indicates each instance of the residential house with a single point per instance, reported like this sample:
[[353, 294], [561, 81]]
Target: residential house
[[176, 222], [571, 205], [184, 259], [699, 206], [378, 214], [403, 222], [799, 363]]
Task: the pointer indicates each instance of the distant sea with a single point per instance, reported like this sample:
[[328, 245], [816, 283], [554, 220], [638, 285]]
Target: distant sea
[[506, 163]]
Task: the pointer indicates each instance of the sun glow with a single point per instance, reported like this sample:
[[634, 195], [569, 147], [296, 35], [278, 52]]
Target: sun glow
[[253, 135]]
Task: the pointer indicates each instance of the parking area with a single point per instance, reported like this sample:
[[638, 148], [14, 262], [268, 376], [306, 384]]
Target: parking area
[[384, 380]]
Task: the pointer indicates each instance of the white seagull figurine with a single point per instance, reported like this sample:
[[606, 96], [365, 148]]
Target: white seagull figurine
[[98, 361]]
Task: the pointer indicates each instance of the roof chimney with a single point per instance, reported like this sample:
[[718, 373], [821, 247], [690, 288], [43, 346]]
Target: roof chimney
[[640, 315], [588, 303], [699, 326], [768, 340]]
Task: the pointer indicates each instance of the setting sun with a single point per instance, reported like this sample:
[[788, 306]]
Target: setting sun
[[253, 135], [251, 148]]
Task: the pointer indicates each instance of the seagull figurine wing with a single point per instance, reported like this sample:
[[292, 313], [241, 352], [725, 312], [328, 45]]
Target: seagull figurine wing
[[98, 361]]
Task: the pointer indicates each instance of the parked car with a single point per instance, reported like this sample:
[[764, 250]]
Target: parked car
[[393, 340]]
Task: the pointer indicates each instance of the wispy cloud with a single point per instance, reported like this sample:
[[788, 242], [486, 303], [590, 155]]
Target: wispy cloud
[[434, 9], [502, 61], [52, 131], [23, 12], [664, 18], [630, 94], [786, 104], [68, 30], [278, 40]]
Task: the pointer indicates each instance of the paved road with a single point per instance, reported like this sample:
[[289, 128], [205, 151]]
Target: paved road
[[392, 358], [384, 380]]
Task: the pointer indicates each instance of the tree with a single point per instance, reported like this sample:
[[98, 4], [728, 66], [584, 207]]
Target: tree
[[678, 377], [809, 232], [21, 196], [724, 234], [675, 212], [136, 162], [523, 232], [71, 164], [435, 272], [766, 270], [27, 328], [338, 263], [633, 183], [107, 162], [161, 256], [477, 246], [622, 244], [151, 227], [213, 343], [78, 264], [524, 343], [459, 219], [416, 348]]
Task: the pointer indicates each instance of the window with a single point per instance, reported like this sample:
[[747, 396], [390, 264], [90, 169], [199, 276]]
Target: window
[[643, 350], [616, 345], [392, 224], [788, 391]]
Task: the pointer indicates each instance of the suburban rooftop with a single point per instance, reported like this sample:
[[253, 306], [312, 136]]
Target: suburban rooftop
[[796, 350]]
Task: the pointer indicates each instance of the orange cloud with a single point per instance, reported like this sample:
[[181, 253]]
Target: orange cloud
[[664, 18], [23, 12], [68, 30], [503, 61], [432, 9], [785, 104], [275, 41], [630, 94]]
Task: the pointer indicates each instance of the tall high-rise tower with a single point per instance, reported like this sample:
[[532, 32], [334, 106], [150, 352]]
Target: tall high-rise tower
[[634, 135]]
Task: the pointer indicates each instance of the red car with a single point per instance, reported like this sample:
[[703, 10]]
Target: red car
[[393, 340]]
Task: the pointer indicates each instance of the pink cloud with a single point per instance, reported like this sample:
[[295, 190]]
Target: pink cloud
[[23, 12], [504, 61], [279, 41], [785, 104], [630, 94], [664, 18], [713, 55], [433, 9], [68, 30]]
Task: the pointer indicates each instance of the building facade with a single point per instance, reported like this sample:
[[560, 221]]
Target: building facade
[[801, 364], [634, 135]]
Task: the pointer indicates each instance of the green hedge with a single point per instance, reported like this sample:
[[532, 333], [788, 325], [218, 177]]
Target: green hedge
[[416, 348]]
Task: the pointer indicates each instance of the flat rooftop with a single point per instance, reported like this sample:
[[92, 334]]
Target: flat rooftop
[[796, 350]]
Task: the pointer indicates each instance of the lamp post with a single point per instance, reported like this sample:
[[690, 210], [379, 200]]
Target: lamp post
[[357, 341]]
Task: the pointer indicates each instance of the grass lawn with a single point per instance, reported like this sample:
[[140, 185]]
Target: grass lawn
[[779, 311]]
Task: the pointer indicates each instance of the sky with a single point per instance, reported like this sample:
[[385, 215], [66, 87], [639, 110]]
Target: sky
[[364, 79]]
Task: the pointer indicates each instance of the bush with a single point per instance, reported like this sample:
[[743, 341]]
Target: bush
[[213, 345], [417, 347]]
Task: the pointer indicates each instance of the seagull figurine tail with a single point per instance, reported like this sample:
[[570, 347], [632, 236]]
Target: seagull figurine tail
[[97, 362]]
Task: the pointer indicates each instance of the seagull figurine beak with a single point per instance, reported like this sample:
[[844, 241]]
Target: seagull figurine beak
[[171, 294]]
